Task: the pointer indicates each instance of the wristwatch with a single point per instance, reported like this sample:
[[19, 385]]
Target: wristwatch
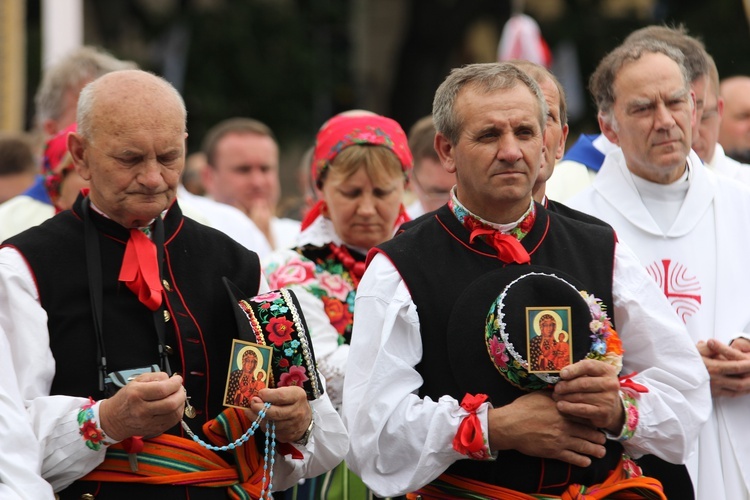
[[306, 436]]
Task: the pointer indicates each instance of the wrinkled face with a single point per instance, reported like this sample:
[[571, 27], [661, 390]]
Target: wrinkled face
[[363, 212], [734, 133], [245, 172], [498, 153], [652, 118], [556, 133], [705, 146], [432, 183], [133, 159]]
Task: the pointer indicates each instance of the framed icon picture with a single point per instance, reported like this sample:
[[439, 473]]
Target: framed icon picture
[[249, 372], [549, 342]]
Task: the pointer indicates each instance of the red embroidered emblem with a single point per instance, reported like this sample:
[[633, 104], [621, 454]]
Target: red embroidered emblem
[[682, 291]]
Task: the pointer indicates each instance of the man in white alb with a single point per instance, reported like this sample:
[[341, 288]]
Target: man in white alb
[[685, 224]]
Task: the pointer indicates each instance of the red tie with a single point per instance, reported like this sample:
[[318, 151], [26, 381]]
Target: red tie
[[509, 249], [140, 270]]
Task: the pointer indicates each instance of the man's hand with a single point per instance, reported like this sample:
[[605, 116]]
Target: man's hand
[[289, 409], [533, 426], [147, 406], [590, 390], [728, 366]]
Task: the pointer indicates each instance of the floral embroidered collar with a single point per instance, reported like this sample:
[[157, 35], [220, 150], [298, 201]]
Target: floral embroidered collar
[[519, 228], [504, 238]]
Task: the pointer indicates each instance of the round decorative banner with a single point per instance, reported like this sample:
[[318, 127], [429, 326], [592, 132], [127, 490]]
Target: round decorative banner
[[541, 323]]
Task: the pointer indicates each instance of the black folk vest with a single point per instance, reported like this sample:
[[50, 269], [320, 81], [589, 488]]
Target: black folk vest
[[200, 325], [439, 265]]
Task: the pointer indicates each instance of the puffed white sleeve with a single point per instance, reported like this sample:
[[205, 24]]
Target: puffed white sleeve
[[660, 350], [325, 449], [54, 419], [20, 451], [399, 441]]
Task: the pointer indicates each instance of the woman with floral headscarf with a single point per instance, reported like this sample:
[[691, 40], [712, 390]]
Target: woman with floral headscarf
[[360, 166]]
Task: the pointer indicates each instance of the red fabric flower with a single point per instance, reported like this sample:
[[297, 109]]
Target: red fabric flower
[[283, 362], [279, 330], [295, 376], [338, 313], [90, 432]]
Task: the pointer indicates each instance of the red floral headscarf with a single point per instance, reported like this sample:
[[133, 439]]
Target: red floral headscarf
[[346, 130]]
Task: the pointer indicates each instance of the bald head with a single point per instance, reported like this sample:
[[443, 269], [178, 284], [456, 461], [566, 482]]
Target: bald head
[[734, 132], [124, 94]]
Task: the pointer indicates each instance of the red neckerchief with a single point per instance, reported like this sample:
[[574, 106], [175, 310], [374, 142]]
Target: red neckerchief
[[508, 246], [140, 269]]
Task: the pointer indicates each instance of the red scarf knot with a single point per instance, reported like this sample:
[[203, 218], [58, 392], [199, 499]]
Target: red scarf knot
[[629, 386], [140, 269], [469, 439], [509, 249]]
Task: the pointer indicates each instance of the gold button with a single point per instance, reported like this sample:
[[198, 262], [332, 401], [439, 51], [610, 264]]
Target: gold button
[[166, 286], [167, 316], [168, 349], [87, 496]]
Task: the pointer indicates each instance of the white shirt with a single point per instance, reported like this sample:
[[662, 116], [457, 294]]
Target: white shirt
[[20, 452], [402, 442], [20, 213], [729, 167], [284, 232], [226, 218], [570, 177], [63, 454], [415, 209]]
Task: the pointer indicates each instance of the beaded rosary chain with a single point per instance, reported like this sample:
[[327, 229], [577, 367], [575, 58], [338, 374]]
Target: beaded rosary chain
[[237, 442], [269, 455]]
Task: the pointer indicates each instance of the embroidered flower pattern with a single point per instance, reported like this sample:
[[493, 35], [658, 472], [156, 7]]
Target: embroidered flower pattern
[[632, 417], [296, 271], [605, 344], [472, 222], [275, 320], [295, 376], [279, 331], [92, 435], [330, 282]]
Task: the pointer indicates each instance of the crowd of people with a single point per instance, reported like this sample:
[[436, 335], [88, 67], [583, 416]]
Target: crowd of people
[[536, 323]]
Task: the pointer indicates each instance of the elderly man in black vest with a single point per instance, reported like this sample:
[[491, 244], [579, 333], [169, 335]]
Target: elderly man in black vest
[[123, 283], [440, 398]]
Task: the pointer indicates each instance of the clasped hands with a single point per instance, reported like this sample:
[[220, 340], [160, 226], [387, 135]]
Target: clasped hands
[[152, 403], [728, 366], [565, 423]]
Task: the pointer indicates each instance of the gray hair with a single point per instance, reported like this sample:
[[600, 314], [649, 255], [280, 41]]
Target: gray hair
[[696, 57], [81, 66], [601, 83], [540, 73], [89, 95], [483, 77]]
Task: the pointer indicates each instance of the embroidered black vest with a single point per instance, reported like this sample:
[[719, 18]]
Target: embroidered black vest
[[439, 265]]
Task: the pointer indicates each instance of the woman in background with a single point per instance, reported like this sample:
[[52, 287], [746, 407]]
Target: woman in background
[[360, 166]]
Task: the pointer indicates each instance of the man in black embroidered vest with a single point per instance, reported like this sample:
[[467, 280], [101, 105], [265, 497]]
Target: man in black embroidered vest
[[124, 281], [412, 400]]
